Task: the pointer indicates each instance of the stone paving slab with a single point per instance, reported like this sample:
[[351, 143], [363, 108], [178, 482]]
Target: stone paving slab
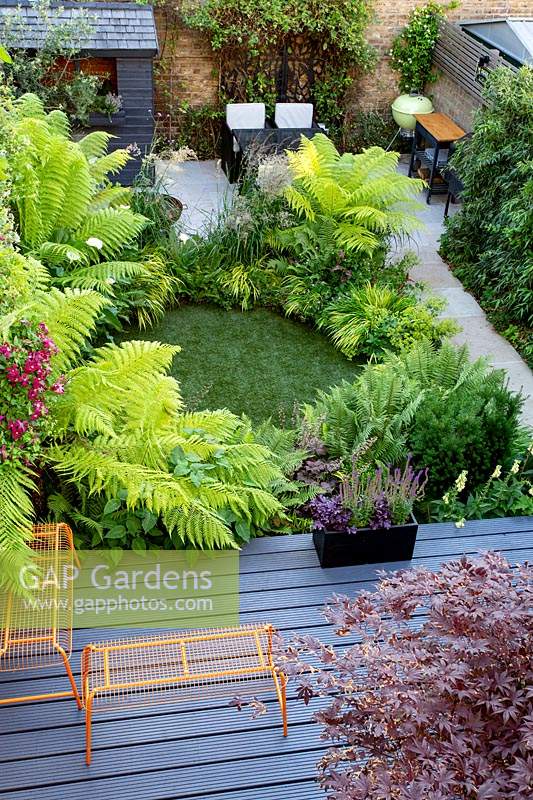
[[203, 189]]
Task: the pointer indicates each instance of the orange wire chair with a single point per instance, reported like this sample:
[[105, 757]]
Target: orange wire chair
[[163, 667], [41, 636]]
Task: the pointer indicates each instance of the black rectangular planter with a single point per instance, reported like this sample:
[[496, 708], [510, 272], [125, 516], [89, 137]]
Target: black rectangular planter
[[367, 546]]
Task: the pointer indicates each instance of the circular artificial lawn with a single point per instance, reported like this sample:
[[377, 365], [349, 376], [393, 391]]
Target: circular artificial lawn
[[253, 362]]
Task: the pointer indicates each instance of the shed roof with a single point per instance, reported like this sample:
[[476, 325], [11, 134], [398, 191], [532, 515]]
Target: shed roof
[[120, 28]]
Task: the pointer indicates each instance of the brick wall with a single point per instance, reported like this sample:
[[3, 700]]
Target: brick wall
[[188, 69], [380, 88], [450, 98]]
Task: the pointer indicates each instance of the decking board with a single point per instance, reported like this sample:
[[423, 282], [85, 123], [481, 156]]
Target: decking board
[[211, 751]]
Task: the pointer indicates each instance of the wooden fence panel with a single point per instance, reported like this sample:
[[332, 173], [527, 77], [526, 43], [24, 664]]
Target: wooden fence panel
[[458, 55]]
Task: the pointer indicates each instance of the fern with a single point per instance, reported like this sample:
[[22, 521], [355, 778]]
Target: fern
[[55, 254], [118, 423], [16, 517], [114, 227], [57, 186], [72, 218], [79, 192], [199, 528], [374, 414], [360, 198], [70, 316], [102, 277], [110, 196], [110, 163], [95, 144], [371, 416]]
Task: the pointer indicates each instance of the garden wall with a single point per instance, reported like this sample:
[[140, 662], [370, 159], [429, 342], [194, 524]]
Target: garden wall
[[189, 70]]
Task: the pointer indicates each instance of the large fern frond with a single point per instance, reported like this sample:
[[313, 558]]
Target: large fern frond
[[80, 187], [71, 318], [102, 277], [55, 253], [200, 528], [110, 196], [115, 227], [94, 145], [16, 517], [110, 164]]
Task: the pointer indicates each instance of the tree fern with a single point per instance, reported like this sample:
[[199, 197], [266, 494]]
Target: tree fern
[[362, 195]]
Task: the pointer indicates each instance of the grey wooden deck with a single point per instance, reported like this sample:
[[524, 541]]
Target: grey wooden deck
[[211, 751]]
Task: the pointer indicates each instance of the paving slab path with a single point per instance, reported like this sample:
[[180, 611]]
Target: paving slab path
[[204, 191]]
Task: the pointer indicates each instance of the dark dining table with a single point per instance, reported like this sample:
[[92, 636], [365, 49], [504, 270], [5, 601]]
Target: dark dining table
[[257, 142], [271, 140]]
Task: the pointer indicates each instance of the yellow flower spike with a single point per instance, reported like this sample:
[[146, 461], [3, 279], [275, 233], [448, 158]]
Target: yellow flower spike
[[446, 498], [460, 482], [515, 467], [497, 471]]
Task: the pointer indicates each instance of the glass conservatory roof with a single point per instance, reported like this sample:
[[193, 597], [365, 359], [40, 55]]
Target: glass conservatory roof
[[512, 36]]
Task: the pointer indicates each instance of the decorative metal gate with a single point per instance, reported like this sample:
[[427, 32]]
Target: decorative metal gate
[[290, 72]]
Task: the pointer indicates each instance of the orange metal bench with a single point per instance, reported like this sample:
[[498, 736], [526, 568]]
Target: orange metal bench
[[41, 637], [190, 665]]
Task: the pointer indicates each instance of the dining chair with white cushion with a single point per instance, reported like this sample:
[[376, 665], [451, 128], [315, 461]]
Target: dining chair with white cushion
[[239, 116], [294, 115]]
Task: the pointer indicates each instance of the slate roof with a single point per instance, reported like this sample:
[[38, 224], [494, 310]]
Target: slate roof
[[117, 27]]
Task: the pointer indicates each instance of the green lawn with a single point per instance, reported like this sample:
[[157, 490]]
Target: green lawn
[[255, 362]]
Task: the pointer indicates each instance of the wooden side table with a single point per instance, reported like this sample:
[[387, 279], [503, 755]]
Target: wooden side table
[[438, 131]]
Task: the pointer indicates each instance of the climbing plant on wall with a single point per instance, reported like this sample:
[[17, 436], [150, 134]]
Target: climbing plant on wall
[[293, 50]]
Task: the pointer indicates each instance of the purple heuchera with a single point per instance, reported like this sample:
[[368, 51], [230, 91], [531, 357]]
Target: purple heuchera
[[382, 514], [328, 513], [429, 707]]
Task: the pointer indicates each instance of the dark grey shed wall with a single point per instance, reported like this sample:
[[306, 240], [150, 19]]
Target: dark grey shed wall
[[135, 86], [135, 81]]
